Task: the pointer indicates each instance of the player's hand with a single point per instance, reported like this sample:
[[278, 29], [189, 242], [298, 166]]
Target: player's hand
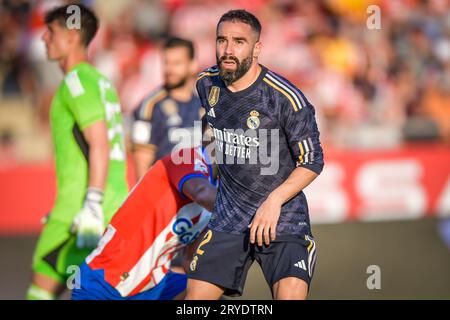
[[88, 223], [264, 224]]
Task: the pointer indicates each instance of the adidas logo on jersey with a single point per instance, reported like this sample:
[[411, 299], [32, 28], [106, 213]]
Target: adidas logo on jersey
[[211, 113], [301, 265]]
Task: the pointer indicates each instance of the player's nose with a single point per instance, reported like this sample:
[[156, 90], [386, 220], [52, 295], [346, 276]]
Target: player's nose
[[229, 49]]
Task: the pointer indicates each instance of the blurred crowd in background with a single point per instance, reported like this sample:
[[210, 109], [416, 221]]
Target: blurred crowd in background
[[372, 88]]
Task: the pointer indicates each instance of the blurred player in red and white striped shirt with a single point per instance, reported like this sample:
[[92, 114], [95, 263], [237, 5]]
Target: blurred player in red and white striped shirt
[[165, 212]]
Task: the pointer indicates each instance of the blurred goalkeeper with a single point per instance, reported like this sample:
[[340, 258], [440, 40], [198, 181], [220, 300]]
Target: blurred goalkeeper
[[89, 151]]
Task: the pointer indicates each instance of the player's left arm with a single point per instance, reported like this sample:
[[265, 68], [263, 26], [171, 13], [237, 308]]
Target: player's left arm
[[88, 107], [96, 136], [87, 104], [264, 224], [300, 127]]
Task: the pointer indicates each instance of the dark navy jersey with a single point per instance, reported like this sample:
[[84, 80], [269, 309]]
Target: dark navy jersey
[[163, 123], [262, 134]]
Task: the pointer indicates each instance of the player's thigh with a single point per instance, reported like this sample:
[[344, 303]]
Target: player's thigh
[[203, 290], [288, 263], [290, 288], [56, 255], [52, 237], [222, 260]]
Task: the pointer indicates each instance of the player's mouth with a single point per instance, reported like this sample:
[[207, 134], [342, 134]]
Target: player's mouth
[[228, 63]]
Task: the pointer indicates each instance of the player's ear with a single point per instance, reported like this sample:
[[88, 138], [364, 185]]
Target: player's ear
[[75, 37], [257, 49], [194, 67]]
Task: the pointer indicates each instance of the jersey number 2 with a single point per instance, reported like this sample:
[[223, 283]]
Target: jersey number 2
[[206, 239]]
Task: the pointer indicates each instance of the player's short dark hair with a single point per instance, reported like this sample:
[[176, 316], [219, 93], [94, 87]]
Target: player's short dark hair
[[243, 16], [175, 42], [88, 20]]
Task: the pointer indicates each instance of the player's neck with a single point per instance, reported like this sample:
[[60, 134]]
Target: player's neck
[[247, 79], [75, 57], [183, 93]]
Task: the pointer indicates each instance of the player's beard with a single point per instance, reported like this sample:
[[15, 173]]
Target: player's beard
[[172, 86], [229, 76]]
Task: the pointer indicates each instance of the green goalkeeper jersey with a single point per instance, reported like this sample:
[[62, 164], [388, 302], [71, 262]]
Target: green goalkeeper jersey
[[84, 97]]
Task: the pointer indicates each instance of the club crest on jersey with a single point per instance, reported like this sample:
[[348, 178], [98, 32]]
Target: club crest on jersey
[[213, 96], [170, 109], [253, 121], [193, 264], [124, 276]]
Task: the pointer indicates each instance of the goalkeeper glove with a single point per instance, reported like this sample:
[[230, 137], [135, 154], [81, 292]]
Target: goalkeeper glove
[[88, 223]]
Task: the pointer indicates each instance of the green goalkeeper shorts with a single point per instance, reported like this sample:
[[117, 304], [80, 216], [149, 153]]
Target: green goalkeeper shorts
[[56, 251]]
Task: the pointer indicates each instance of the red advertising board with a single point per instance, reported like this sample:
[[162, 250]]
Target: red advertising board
[[377, 185], [408, 183]]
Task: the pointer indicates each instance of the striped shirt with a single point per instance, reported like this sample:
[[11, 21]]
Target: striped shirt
[[165, 124], [154, 222], [262, 133]]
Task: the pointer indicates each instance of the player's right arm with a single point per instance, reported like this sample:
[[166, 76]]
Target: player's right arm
[[144, 137], [144, 157], [190, 249], [192, 176], [200, 191]]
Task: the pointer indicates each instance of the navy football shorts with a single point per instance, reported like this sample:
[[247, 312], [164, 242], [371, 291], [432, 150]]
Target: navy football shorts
[[224, 259]]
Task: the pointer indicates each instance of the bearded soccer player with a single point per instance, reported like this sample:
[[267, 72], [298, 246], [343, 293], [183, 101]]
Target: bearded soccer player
[[268, 150], [87, 133], [164, 121], [163, 214]]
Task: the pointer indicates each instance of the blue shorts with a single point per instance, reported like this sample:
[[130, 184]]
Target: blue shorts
[[94, 287]]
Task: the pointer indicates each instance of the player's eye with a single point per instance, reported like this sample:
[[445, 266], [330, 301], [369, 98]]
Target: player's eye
[[220, 41], [240, 42]]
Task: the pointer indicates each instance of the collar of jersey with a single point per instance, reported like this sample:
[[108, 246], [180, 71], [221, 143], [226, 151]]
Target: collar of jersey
[[251, 87]]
